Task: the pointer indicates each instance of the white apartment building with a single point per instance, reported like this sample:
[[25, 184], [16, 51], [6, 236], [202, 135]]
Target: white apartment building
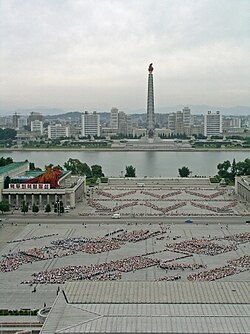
[[213, 124], [90, 124], [186, 117], [180, 121], [36, 126], [57, 131], [114, 118]]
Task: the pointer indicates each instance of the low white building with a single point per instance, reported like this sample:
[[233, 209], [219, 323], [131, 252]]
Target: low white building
[[57, 131], [70, 190], [36, 126], [242, 187]]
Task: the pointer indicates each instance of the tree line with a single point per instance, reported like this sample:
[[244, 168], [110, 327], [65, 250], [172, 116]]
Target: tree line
[[7, 134]]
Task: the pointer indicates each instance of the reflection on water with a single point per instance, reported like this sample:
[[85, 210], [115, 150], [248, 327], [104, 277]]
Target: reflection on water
[[146, 163]]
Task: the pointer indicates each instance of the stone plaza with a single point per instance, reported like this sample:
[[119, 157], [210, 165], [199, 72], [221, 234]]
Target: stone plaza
[[37, 260]]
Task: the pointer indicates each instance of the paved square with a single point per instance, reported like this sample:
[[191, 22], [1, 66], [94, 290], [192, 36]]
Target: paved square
[[110, 251]]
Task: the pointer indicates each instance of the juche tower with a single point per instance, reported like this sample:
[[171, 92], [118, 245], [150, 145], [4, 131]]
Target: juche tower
[[150, 104]]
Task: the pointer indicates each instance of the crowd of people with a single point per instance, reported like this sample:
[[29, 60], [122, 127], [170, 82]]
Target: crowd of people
[[164, 210], [32, 238], [109, 195], [124, 205], [14, 261], [205, 196], [63, 274], [200, 246], [97, 205], [129, 201], [107, 277], [113, 232], [208, 207], [179, 265], [103, 246], [235, 266], [113, 270], [238, 237], [69, 246], [243, 262], [159, 196], [71, 243], [169, 278], [214, 274], [137, 235]]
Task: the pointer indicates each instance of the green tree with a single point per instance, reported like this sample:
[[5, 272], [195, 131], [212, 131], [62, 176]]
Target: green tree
[[33, 167], [97, 170], [24, 207], [85, 170], [7, 133], [5, 161], [184, 171], [130, 171], [4, 206], [6, 182], [77, 167], [48, 208], [35, 208], [243, 167], [224, 169]]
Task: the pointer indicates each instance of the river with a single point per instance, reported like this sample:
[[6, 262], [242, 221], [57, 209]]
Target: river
[[147, 163]]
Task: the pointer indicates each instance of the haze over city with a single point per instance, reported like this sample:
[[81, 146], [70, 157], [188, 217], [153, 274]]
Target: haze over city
[[93, 55]]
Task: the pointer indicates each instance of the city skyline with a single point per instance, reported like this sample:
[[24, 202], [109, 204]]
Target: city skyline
[[82, 55]]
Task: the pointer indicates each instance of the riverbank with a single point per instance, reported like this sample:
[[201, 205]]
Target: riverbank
[[125, 149]]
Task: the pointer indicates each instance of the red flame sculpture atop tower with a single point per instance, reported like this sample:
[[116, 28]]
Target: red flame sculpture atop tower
[[150, 68]]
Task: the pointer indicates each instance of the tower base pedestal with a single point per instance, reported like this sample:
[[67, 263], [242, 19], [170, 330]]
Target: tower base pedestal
[[150, 140]]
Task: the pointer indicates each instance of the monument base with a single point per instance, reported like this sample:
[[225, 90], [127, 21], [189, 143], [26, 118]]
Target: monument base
[[150, 140]]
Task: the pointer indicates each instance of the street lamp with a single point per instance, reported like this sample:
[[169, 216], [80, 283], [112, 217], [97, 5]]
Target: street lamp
[[58, 206]]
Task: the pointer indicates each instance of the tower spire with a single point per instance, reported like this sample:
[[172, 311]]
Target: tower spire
[[150, 104]]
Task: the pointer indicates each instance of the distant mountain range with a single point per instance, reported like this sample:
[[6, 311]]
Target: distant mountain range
[[195, 109]]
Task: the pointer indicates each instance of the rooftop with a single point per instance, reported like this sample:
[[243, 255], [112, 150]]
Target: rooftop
[[157, 292], [151, 307], [13, 165]]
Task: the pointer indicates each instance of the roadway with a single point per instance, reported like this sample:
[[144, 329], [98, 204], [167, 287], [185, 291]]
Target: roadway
[[67, 219]]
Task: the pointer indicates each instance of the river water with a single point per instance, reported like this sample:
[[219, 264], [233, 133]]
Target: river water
[[147, 163]]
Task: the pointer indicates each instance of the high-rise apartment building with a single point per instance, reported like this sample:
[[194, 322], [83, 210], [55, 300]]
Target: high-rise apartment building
[[114, 118], [34, 116], [122, 123], [90, 124], [180, 121], [56, 131], [129, 125], [213, 124], [171, 121], [179, 128], [186, 117], [15, 120]]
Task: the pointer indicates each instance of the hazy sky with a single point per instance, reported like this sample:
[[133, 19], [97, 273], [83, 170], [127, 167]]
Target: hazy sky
[[94, 54]]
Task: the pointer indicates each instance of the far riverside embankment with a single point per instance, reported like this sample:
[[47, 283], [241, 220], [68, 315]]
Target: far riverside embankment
[[126, 149]]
